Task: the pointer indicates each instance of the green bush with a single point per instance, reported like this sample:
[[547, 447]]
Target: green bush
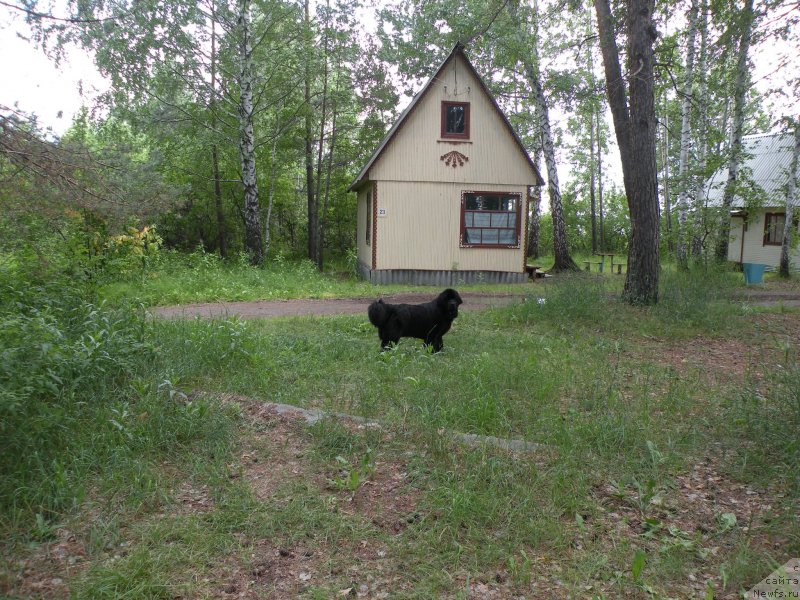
[[83, 403], [569, 298], [698, 298]]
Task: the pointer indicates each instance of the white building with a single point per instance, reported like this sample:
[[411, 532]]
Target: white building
[[757, 232]]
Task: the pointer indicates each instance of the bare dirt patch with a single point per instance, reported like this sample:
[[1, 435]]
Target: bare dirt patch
[[319, 307], [277, 451], [705, 514], [764, 344], [46, 571]]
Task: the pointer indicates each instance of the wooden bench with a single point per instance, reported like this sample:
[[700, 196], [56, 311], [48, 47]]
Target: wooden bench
[[589, 263], [533, 271], [619, 268]]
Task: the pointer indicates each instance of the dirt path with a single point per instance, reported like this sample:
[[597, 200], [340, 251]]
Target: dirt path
[[310, 307], [764, 297], [305, 307]]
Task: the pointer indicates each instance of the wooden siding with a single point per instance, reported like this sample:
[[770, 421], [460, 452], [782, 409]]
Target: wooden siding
[[421, 230], [415, 153], [754, 250]]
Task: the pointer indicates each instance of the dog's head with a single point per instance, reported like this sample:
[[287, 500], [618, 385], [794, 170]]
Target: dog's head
[[449, 301]]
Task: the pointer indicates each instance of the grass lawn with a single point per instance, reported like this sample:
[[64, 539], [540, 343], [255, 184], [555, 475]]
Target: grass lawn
[[665, 465]]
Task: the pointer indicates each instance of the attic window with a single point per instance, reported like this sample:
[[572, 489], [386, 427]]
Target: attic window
[[455, 120]]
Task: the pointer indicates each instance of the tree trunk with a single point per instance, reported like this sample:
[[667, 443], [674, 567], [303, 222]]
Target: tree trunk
[[247, 154], [600, 184], [592, 151], [665, 160], [329, 171], [740, 89], [635, 127], [222, 240], [323, 119], [267, 236], [791, 192], [309, 144], [686, 135], [536, 212], [563, 260], [702, 131], [592, 182]]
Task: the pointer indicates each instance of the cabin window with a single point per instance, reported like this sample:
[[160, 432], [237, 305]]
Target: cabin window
[[773, 228], [455, 120], [368, 228], [490, 219]]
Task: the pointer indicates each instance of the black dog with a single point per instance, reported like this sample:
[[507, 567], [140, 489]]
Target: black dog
[[428, 321]]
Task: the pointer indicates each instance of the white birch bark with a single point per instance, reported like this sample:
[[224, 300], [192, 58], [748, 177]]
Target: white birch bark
[[737, 128], [686, 137], [791, 200], [247, 153], [536, 212], [701, 133], [563, 260]]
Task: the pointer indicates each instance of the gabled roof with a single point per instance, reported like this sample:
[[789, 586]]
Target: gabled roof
[[457, 51], [767, 157]]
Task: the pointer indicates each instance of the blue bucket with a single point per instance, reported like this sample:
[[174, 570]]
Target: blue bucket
[[753, 273]]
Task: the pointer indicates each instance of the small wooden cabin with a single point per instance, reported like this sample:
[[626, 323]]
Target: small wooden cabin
[[443, 200], [756, 232]]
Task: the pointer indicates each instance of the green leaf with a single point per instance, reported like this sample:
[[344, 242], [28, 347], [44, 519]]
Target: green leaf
[[727, 521], [638, 564]]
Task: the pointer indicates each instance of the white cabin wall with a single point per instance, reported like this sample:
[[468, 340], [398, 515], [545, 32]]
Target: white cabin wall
[[754, 249], [407, 240]]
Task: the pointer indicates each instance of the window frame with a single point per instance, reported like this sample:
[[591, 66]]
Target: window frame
[[778, 231], [446, 104], [517, 226]]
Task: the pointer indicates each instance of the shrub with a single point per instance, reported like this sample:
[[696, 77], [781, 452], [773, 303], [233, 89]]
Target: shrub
[[82, 402]]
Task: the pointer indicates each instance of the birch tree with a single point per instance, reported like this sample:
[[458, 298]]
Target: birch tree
[[247, 155], [529, 57], [686, 137], [701, 130], [791, 201], [536, 212], [742, 79]]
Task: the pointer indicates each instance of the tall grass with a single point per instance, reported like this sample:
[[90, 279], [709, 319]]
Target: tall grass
[[175, 278], [80, 395], [689, 303], [95, 402]]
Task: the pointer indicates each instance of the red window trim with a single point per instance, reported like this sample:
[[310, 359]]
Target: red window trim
[[518, 227], [766, 228], [455, 136]]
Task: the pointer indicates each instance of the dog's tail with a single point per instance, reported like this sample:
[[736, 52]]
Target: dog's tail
[[379, 312]]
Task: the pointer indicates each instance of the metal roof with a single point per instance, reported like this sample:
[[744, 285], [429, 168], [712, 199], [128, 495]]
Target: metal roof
[[458, 50], [767, 157]]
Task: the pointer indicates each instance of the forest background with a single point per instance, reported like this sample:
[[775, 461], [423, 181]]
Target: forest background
[[309, 90]]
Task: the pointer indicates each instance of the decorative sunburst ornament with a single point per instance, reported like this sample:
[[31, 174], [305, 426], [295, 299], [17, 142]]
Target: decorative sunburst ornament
[[454, 159]]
